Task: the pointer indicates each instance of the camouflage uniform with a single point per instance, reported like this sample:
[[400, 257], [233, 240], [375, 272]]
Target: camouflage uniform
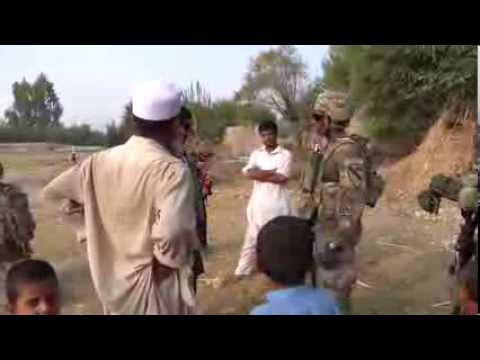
[[201, 214], [464, 191], [16, 230], [337, 182]]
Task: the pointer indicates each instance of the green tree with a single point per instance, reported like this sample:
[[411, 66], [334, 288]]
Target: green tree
[[212, 121], [210, 117], [35, 105], [125, 130], [195, 93], [112, 135], [404, 88], [277, 79]]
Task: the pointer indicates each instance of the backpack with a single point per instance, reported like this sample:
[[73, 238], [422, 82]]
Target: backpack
[[16, 224], [375, 184]]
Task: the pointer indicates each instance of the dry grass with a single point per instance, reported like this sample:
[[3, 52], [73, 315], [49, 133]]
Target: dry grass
[[405, 282]]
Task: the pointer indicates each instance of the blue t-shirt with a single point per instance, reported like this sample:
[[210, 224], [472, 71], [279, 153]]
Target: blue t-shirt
[[299, 300]]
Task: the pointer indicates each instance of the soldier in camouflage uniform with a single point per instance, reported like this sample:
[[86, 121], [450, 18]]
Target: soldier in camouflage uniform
[[200, 208], [16, 229], [464, 191], [334, 192]]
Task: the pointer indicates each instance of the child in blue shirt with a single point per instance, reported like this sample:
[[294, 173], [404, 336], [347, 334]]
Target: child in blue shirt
[[285, 256]]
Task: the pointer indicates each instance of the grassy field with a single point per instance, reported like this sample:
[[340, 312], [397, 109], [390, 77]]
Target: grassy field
[[402, 256]]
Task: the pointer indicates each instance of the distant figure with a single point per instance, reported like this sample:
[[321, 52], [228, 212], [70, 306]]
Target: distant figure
[[269, 167], [205, 179], [33, 289], [284, 255], [135, 203], [73, 156]]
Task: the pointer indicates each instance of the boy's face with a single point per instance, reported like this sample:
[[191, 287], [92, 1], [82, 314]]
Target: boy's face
[[269, 138], [37, 299]]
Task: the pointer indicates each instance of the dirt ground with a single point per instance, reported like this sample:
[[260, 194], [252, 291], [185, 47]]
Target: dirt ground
[[403, 255]]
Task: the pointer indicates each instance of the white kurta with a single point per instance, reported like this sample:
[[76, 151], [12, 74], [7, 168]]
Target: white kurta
[[268, 201], [138, 210]]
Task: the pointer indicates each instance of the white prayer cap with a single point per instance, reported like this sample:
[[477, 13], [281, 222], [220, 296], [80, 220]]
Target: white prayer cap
[[156, 101]]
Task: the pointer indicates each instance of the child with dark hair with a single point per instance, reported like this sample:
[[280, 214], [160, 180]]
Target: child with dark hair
[[32, 289], [268, 125], [285, 256], [468, 295]]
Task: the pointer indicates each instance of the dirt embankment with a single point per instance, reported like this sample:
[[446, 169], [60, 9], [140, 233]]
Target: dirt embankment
[[445, 150]]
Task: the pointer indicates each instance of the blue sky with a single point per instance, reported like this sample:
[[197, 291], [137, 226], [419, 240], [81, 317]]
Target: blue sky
[[94, 81]]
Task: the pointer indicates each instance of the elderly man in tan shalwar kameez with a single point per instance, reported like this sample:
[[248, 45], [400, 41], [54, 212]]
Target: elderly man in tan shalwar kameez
[[133, 205]]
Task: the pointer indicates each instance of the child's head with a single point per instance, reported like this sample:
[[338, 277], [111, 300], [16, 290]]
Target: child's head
[[32, 289], [285, 250], [468, 280]]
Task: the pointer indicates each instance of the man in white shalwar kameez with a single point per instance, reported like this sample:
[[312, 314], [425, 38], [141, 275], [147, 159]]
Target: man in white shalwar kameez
[[269, 167], [133, 206]]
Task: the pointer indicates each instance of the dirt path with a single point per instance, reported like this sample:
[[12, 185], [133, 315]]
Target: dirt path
[[402, 255]]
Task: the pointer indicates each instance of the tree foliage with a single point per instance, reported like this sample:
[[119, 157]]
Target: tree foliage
[[35, 105], [118, 134], [211, 118], [74, 135], [35, 117], [277, 79], [212, 121], [195, 93], [404, 88]]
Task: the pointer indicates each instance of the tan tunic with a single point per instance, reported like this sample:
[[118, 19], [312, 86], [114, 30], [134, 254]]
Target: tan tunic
[[138, 208]]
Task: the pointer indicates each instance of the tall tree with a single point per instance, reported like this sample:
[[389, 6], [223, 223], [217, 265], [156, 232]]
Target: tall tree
[[112, 135], [277, 79], [404, 88], [196, 94], [35, 105], [125, 129]]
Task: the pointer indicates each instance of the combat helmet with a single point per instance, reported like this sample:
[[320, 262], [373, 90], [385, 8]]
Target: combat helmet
[[334, 104]]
